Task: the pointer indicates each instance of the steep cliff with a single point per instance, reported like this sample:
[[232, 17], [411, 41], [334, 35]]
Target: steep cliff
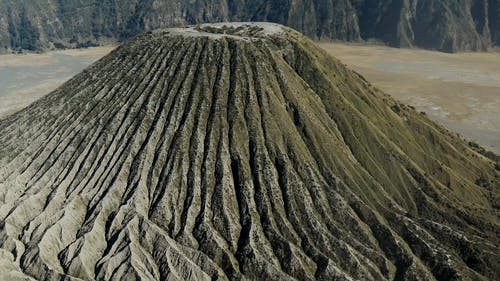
[[494, 20], [446, 25], [238, 152]]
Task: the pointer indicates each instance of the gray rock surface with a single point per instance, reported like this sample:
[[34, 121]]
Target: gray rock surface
[[446, 25], [238, 152]]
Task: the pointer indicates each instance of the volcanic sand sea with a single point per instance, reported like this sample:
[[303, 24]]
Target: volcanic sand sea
[[27, 77], [460, 91]]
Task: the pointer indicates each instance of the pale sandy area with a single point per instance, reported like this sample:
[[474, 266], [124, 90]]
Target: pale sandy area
[[27, 77], [460, 91]]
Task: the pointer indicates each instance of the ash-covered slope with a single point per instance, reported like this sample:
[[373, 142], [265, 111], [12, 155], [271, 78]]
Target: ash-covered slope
[[238, 152]]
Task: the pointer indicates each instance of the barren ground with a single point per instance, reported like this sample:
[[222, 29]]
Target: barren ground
[[27, 77], [460, 91]]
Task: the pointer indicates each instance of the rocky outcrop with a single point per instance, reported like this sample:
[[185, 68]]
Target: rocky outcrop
[[494, 20], [446, 25], [240, 152]]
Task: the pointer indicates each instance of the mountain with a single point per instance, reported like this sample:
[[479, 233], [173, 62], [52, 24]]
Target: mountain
[[238, 152], [446, 25]]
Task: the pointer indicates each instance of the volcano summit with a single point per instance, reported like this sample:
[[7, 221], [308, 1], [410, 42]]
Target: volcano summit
[[238, 151]]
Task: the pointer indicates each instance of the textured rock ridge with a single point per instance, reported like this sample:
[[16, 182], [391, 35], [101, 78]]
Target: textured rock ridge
[[238, 152], [446, 25]]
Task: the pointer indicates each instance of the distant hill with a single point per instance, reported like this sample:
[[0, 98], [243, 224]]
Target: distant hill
[[446, 25]]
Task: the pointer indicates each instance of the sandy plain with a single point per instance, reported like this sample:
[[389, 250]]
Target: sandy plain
[[27, 77], [460, 91]]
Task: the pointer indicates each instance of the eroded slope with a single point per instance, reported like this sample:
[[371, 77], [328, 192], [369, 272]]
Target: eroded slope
[[238, 152]]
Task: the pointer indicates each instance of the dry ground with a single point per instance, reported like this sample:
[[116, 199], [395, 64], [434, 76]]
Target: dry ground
[[25, 78], [460, 91]]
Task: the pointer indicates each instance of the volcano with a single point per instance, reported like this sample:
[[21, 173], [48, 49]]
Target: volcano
[[238, 151]]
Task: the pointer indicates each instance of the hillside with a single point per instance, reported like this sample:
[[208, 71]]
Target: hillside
[[446, 25], [459, 91], [238, 152]]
